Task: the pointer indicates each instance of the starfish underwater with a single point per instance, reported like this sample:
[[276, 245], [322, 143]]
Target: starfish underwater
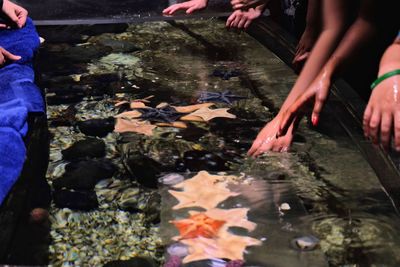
[[197, 225], [166, 114], [222, 97], [226, 74]]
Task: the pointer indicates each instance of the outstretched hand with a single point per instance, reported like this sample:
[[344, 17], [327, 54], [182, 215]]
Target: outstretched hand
[[189, 6], [317, 91], [267, 139], [15, 13], [6, 56], [242, 19]]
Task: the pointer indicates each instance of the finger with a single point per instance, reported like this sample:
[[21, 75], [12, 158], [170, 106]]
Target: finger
[[10, 56], [397, 131], [190, 10], [302, 56], [22, 17], [172, 9], [247, 24], [366, 120], [236, 21], [320, 99], [230, 19], [3, 26], [386, 128], [256, 144], [238, 6], [242, 22], [295, 110], [374, 126]]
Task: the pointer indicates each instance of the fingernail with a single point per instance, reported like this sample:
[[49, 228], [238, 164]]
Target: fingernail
[[314, 120]]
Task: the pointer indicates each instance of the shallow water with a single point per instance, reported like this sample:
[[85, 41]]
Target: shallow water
[[333, 192]]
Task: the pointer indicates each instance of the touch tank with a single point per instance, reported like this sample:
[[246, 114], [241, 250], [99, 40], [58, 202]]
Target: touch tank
[[325, 203]]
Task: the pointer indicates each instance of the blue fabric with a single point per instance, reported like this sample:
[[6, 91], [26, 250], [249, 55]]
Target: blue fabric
[[18, 96]]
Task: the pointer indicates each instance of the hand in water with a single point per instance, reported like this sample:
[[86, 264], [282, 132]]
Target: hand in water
[[189, 6], [267, 141], [383, 113], [246, 4], [6, 56], [15, 13], [242, 19], [317, 91]]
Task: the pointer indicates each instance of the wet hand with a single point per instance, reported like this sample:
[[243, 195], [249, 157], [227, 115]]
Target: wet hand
[[6, 56], [318, 92], [15, 13], [242, 19], [267, 141], [382, 115], [189, 6]]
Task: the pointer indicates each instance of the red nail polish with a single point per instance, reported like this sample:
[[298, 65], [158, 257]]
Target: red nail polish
[[314, 121]]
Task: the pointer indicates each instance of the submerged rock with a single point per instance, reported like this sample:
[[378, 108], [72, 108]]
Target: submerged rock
[[152, 208], [129, 200], [173, 261], [76, 200], [65, 118], [171, 179], [88, 148], [305, 243], [97, 127], [119, 46], [84, 175], [197, 160], [144, 169], [134, 262]]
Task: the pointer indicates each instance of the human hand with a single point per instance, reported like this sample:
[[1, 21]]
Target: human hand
[[246, 4], [317, 91], [15, 13], [189, 6], [6, 56], [383, 113], [305, 45], [242, 19], [267, 140]]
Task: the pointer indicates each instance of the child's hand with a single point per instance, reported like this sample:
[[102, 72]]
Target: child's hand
[[242, 19], [6, 56], [16, 13], [189, 6], [245, 4]]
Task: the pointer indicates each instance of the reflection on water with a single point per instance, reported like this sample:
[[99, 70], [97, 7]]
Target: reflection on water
[[332, 192]]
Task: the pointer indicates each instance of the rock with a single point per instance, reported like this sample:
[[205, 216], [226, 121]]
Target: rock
[[144, 169], [284, 207], [65, 118], [76, 200], [152, 209], [173, 261], [235, 263], [88, 148], [193, 133], [197, 160], [129, 200], [134, 262], [305, 243], [97, 127], [171, 179], [84, 175], [119, 46], [178, 249], [61, 99]]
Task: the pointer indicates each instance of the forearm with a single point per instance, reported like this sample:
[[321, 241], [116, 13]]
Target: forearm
[[320, 54], [313, 14], [358, 36]]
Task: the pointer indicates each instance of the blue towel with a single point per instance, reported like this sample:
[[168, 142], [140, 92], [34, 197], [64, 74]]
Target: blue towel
[[18, 96]]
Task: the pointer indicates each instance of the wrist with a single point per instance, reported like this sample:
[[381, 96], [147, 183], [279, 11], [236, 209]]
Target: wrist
[[385, 76]]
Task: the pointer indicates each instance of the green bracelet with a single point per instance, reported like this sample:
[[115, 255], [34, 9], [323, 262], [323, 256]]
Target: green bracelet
[[384, 77]]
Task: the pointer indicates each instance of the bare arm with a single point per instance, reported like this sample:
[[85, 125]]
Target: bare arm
[[334, 25]]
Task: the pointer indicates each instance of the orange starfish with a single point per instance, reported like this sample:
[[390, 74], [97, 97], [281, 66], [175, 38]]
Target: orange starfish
[[198, 225]]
